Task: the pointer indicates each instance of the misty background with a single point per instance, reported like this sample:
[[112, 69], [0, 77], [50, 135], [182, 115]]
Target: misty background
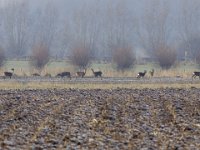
[[101, 25]]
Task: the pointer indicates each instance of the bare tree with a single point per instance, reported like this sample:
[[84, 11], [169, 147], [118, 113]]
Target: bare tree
[[118, 27], [153, 30], [191, 46], [86, 26], [2, 57], [165, 55], [16, 24], [46, 25], [40, 56], [155, 33], [80, 55], [119, 35], [198, 58], [189, 27], [123, 57]]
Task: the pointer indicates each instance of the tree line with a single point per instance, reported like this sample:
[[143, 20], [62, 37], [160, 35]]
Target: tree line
[[166, 30]]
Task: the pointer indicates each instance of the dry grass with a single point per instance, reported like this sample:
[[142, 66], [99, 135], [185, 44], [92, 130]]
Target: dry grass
[[106, 73], [109, 70], [67, 85]]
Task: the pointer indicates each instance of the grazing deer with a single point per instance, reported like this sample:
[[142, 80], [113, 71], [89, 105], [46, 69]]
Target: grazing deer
[[141, 74], [64, 74], [36, 74], [97, 73], [81, 74], [48, 75], [151, 72], [9, 74], [195, 74]]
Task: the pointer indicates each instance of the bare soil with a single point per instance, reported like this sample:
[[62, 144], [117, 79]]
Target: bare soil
[[100, 119]]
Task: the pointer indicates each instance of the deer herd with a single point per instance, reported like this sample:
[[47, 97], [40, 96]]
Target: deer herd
[[96, 74], [62, 74]]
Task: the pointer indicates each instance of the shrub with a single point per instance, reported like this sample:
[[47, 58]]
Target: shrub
[[124, 58], [40, 56], [2, 57], [166, 56], [80, 55]]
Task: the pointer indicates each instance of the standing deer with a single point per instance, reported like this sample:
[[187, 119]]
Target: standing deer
[[81, 74], [195, 74], [141, 74], [64, 74], [9, 74], [97, 73], [151, 72]]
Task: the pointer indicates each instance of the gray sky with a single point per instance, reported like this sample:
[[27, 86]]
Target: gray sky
[[100, 23]]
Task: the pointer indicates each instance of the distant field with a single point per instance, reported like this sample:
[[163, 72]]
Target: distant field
[[109, 70]]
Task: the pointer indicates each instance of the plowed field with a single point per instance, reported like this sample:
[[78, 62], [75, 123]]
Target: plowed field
[[164, 118]]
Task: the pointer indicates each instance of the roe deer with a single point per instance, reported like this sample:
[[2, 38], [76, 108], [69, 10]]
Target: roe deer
[[9, 74], [141, 74], [48, 75], [195, 74], [64, 74], [36, 74], [151, 72], [81, 74], [97, 73]]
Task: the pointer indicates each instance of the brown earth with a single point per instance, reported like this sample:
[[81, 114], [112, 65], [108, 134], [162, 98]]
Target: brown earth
[[100, 119]]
